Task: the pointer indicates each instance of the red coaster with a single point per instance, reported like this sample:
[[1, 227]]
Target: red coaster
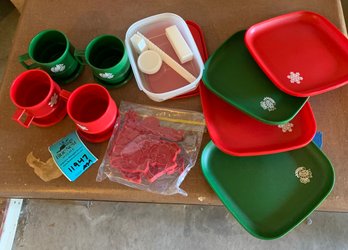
[[56, 116], [97, 138]]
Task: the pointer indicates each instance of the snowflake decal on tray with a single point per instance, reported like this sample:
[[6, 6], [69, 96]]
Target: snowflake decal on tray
[[268, 104], [295, 77], [286, 127], [106, 75], [82, 127], [53, 100], [58, 68]]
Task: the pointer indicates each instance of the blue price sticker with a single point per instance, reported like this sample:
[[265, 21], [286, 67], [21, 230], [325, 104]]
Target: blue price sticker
[[318, 139], [72, 156]]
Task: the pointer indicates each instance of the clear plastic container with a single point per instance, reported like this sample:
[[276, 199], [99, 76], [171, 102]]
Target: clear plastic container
[[166, 83]]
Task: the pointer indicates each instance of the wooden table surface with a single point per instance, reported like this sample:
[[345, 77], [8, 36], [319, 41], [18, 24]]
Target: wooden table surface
[[82, 21]]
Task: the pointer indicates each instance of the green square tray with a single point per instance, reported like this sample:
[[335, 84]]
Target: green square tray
[[269, 195], [233, 75]]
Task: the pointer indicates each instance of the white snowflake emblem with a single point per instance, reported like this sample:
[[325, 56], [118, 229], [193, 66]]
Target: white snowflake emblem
[[295, 77], [82, 127], [106, 75], [268, 104], [58, 68], [286, 127], [303, 174], [53, 100]]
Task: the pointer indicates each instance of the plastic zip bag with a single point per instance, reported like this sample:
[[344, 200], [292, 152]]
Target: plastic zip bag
[[152, 148]]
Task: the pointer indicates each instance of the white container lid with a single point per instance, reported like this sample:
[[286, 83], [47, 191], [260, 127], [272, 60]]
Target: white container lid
[[147, 26]]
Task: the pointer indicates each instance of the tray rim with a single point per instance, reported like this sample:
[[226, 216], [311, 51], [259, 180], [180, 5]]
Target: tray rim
[[269, 72], [207, 83], [235, 215]]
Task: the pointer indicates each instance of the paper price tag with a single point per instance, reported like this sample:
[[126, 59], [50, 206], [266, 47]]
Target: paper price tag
[[72, 156]]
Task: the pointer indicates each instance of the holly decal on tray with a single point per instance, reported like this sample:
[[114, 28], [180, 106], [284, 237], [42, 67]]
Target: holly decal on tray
[[286, 127], [268, 104]]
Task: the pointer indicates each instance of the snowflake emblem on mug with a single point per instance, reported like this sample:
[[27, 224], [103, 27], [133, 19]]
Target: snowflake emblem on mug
[[303, 174], [82, 127], [286, 127], [295, 77], [268, 104], [58, 68], [53, 100], [106, 75]]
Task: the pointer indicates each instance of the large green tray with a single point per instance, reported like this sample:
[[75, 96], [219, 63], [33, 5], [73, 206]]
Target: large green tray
[[233, 75], [263, 193]]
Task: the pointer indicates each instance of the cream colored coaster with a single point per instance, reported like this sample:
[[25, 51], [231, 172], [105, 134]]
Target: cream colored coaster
[[47, 171], [149, 62]]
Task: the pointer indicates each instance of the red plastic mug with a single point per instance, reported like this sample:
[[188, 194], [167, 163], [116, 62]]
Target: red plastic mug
[[39, 98], [93, 111]]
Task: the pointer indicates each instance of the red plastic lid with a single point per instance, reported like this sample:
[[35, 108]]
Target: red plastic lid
[[197, 34]]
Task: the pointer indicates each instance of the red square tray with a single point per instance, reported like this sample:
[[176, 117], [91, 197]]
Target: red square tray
[[302, 53], [236, 133]]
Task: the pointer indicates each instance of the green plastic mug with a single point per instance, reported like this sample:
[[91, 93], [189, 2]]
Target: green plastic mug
[[51, 51], [108, 59]]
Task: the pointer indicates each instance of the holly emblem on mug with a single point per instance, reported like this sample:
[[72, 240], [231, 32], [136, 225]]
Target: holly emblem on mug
[[106, 75], [82, 127], [58, 68], [53, 100]]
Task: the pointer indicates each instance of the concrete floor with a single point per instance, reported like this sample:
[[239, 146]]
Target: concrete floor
[[103, 225], [59, 225]]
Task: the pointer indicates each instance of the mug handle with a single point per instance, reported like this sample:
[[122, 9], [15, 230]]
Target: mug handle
[[65, 94], [24, 58], [80, 56], [18, 115]]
